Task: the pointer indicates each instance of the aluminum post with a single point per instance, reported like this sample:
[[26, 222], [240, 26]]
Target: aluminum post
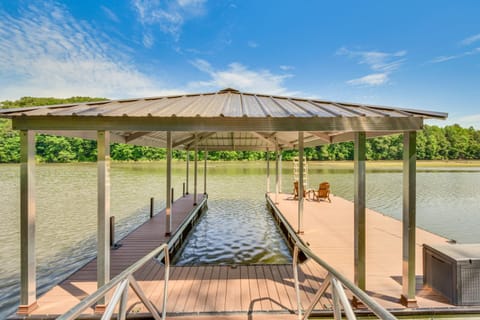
[[195, 173], [359, 220], [276, 172], [188, 170], [205, 173], [168, 210], [301, 187], [28, 287], [103, 211], [409, 219], [268, 170]]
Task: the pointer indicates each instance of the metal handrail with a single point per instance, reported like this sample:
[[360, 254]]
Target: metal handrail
[[123, 281], [337, 281]]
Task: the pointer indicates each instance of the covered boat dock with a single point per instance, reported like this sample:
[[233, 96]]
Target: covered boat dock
[[224, 120]]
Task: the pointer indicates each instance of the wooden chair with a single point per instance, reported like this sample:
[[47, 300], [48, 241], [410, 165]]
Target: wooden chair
[[295, 191], [323, 192]]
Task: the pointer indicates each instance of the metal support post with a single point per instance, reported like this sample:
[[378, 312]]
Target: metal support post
[[268, 170], [409, 219], [301, 187], [187, 171], [195, 171], [205, 173], [28, 287], [359, 220], [276, 172], [168, 209], [103, 215], [280, 171]]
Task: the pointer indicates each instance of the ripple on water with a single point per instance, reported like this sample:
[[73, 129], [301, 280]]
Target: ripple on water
[[234, 232]]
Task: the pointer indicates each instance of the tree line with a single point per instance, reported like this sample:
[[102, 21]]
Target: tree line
[[433, 143]]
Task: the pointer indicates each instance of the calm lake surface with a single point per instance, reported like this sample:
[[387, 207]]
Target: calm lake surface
[[448, 204]]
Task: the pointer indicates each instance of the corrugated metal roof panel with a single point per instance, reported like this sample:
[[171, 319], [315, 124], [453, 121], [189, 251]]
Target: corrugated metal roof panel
[[312, 109], [233, 107], [252, 106], [272, 109]]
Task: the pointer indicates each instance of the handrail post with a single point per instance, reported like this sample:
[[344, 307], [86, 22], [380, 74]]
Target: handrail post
[[183, 193], [295, 277], [165, 285], [171, 197]]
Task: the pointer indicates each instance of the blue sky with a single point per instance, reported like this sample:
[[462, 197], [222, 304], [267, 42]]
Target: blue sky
[[416, 54]]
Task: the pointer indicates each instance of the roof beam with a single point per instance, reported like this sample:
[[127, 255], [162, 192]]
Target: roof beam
[[202, 137], [214, 124], [136, 135], [270, 142], [323, 136]]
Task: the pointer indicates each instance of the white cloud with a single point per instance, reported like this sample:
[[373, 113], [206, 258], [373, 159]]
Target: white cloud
[[169, 16], [382, 63], [252, 44], [46, 52], [470, 40], [457, 56], [375, 79], [110, 14], [241, 78], [286, 68]]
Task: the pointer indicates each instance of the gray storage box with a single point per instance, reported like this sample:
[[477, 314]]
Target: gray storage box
[[453, 270]]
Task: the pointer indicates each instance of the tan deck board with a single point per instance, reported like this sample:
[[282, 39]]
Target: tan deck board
[[233, 297], [328, 228], [246, 289], [255, 303]]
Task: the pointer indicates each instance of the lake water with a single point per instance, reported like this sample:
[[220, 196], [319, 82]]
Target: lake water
[[448, 203]]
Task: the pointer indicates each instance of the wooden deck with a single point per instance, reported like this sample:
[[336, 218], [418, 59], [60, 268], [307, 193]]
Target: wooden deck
[[328, 229], [256, 291]]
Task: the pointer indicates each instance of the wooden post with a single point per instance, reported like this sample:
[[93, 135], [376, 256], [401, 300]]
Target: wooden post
[[103, 211], [195, 171], [409, 219], [359, 220], [300, 183], [168, 210], [28, 287]]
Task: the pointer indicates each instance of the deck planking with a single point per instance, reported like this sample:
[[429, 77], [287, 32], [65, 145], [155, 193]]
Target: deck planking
[[328, 229], [257, 291]]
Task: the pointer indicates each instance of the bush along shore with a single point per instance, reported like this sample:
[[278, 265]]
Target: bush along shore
[[433, 143]]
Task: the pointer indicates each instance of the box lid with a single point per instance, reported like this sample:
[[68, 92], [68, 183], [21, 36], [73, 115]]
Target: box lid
[[458, 252]]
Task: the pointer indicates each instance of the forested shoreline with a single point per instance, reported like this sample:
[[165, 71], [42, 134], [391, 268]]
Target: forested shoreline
[[433, 143]]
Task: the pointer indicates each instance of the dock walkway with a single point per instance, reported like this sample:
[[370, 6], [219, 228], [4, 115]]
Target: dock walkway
[[328, 229], [256, 291]]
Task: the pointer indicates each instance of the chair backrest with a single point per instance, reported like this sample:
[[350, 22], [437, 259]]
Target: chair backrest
[[295, 190], [324, 189]]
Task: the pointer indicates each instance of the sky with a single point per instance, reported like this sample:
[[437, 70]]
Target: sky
[[411, 54]]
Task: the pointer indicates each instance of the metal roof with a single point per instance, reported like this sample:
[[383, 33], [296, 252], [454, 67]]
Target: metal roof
[[224, 120]]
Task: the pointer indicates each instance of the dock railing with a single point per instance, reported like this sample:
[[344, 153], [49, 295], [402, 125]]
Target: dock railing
[[122, 282], [337, 282]]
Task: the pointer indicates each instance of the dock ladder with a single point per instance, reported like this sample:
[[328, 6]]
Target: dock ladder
[[296, 171]]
